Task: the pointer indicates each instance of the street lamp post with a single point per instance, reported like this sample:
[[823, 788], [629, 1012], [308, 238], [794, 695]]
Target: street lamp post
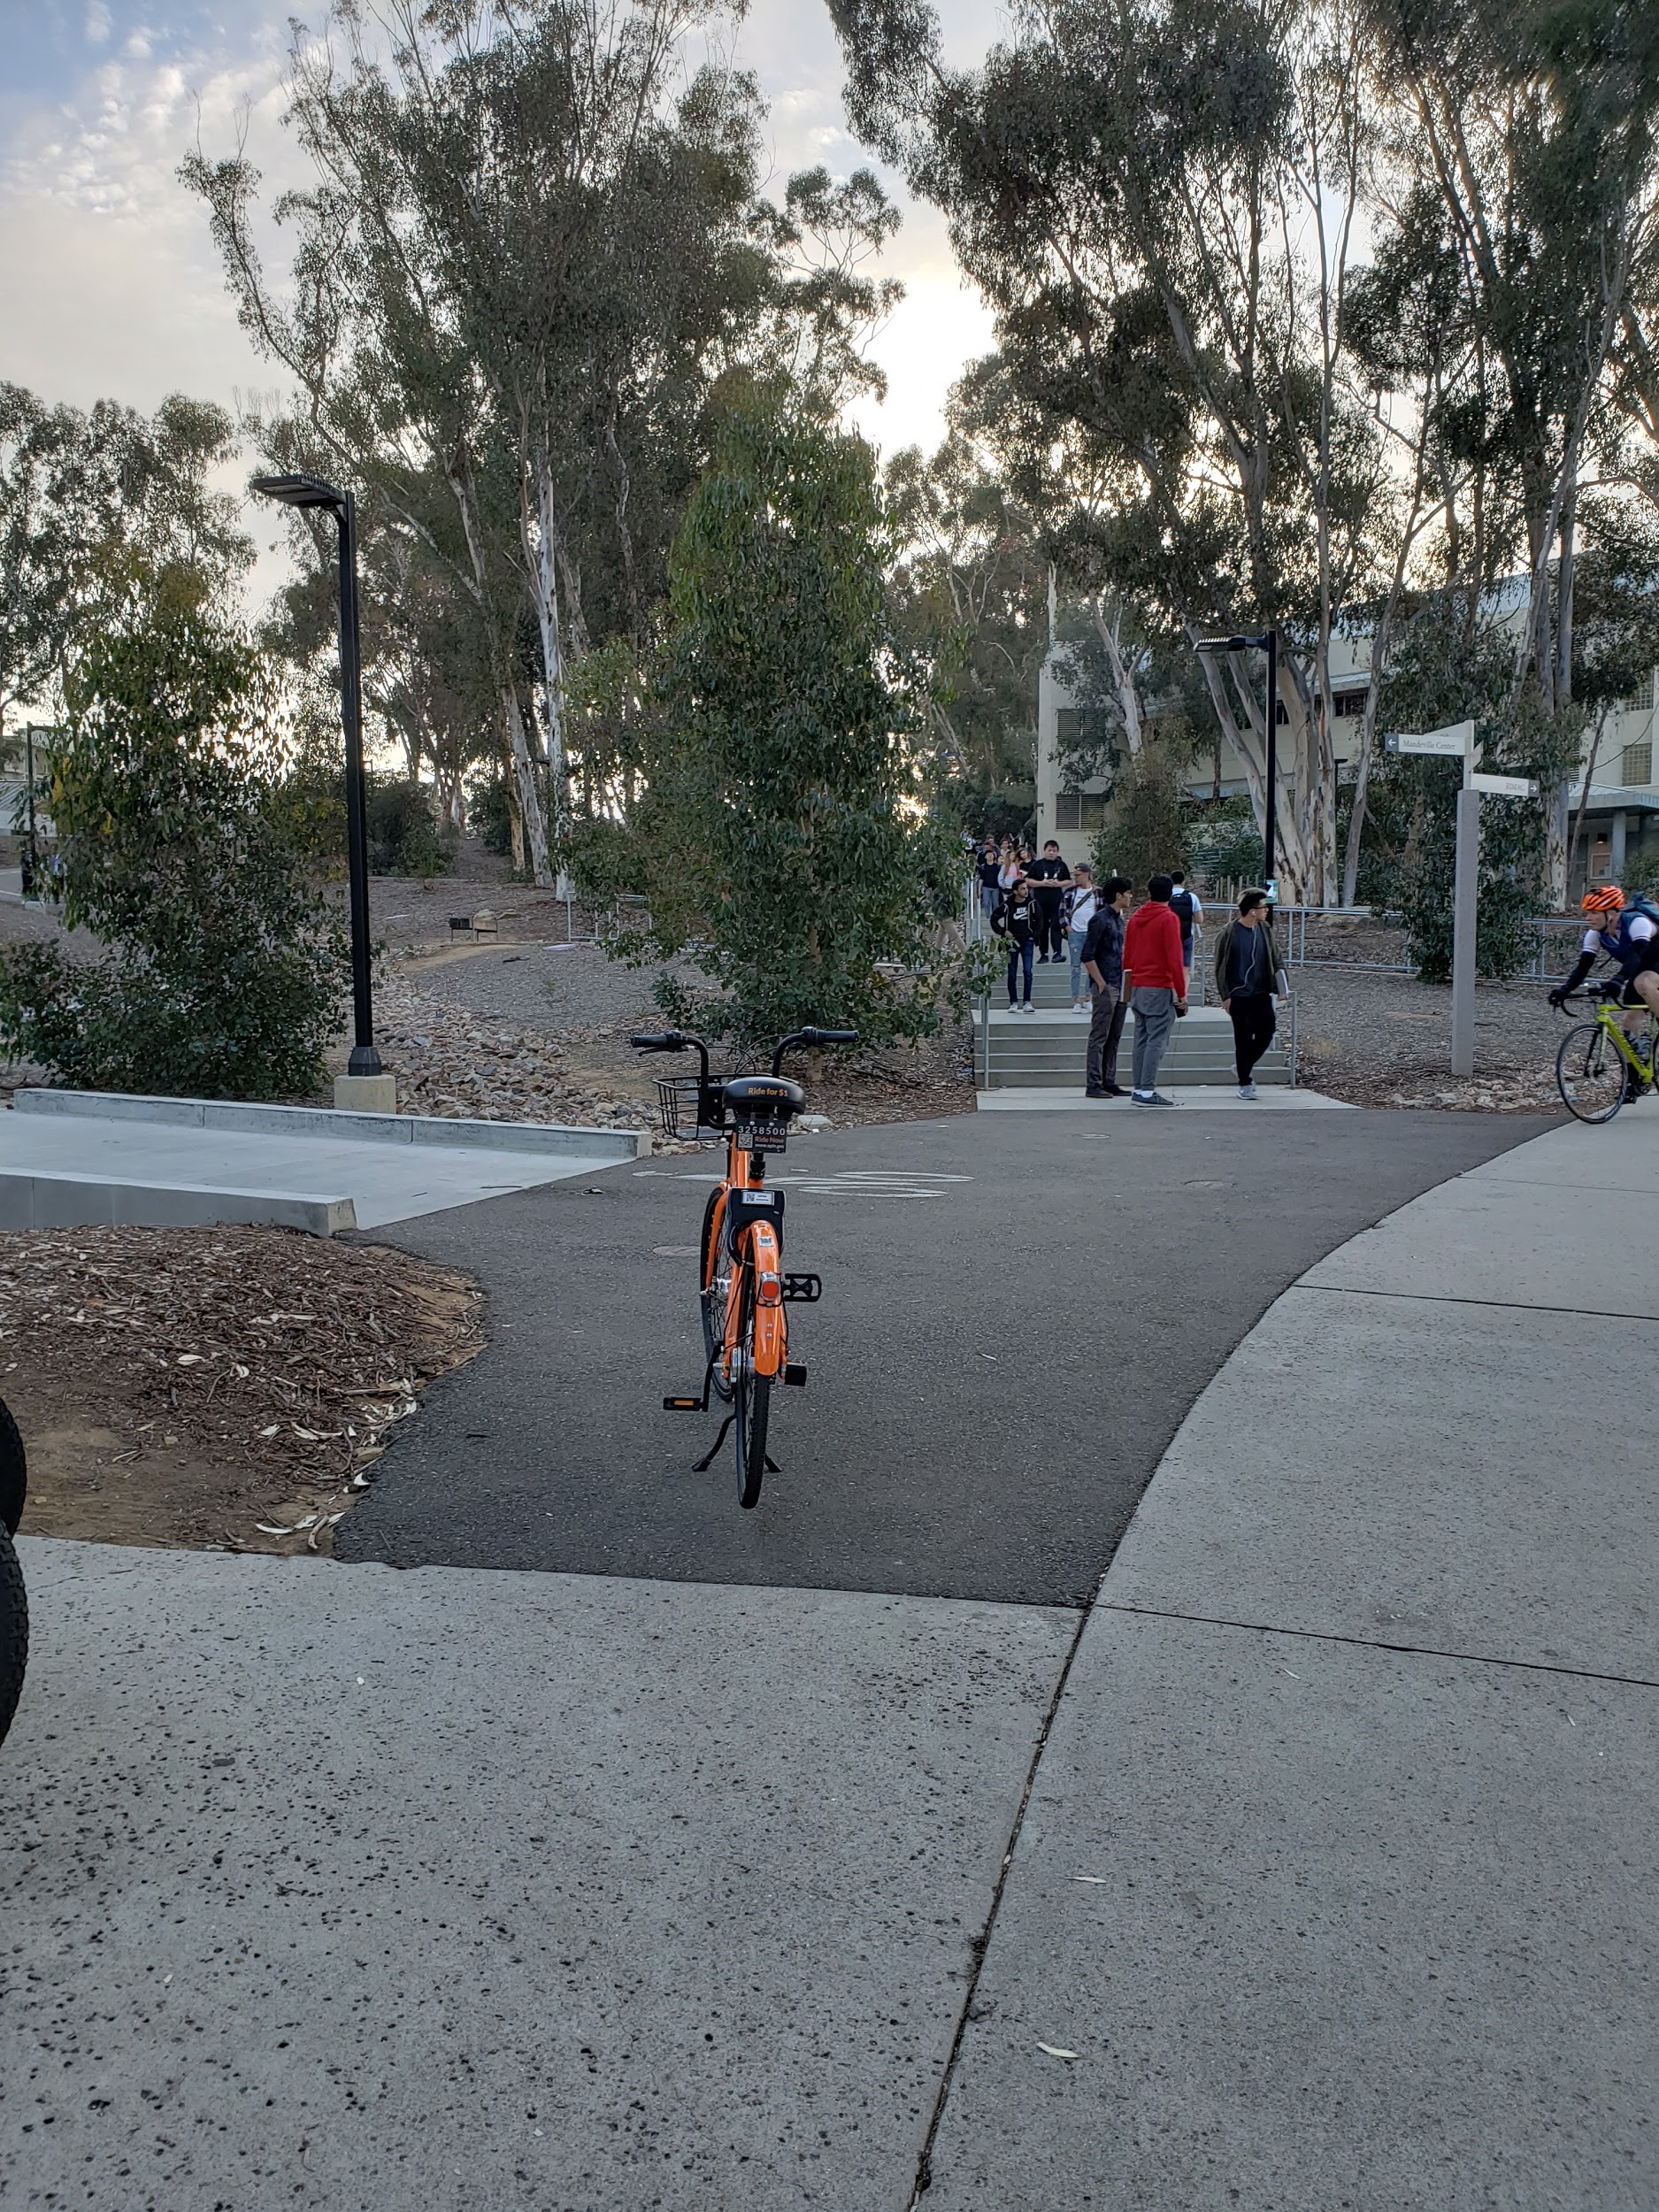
[[34, 862], [311, 491], [1267, 643]]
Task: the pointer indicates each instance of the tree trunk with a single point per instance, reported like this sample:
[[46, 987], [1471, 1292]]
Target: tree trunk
[[534, 835], [533, 831], [1122, 675]]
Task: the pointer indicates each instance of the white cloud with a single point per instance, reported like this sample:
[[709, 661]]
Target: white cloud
[[113, 287]]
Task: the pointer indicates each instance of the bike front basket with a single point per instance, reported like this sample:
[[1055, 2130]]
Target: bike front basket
[[688, 1112]]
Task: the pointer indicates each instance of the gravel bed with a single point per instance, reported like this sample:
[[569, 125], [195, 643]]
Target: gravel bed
[[1385, 1041]]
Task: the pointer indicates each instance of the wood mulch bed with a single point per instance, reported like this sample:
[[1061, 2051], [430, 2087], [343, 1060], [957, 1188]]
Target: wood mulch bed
[[221, 1387]]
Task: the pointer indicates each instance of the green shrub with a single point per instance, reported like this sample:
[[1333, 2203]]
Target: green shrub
[[222, 972], [402, 828], [489, 811]]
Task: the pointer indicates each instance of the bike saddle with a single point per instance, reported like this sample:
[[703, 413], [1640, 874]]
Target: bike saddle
[[763, 1097]]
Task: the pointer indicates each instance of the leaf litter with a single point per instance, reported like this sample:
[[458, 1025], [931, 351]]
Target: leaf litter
[[227, 1386]]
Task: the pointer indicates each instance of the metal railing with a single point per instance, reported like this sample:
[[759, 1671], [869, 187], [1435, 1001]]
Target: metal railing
[[1540, 967]]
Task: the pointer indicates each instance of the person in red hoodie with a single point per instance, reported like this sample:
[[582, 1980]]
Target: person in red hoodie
[[1155, 984]]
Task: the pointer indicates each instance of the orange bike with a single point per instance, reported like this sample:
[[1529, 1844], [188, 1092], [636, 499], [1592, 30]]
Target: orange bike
[[744, 1289]]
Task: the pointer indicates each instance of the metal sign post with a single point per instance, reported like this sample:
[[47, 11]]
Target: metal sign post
[[1458, 741], [1465, 916]]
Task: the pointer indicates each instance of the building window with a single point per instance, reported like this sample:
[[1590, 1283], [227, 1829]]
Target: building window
[[1641, 700], [1638, 765], [1349, 705], [1079, 809]]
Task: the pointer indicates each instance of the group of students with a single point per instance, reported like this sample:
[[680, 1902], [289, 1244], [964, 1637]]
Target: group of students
[[1136, 962], [1044, 908]]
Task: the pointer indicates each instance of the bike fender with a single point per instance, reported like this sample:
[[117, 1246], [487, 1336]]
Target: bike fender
[[771, 1328]]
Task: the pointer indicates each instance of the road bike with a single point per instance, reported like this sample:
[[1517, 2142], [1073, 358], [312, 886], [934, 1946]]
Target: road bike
[[743, 1289], [1598, 1066]]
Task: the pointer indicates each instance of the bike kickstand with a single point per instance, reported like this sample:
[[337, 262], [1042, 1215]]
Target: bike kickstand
[[772, 1467], [709, 1457]]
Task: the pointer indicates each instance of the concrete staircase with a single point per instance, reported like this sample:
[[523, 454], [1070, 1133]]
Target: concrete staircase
[[1046, 1050]]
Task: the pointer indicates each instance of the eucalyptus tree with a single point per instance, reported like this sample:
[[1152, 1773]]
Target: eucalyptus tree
[[85, 497], [968, 590], [1533, 127], [1160, 202], [534, 251]]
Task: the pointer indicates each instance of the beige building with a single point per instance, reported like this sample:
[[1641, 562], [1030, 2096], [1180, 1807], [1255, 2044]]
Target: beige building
[[1621, 831]]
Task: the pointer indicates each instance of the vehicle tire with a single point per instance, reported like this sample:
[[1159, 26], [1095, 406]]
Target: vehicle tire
[[14, 1475], [1592, 1075], [14, 1631], [754, 1405]]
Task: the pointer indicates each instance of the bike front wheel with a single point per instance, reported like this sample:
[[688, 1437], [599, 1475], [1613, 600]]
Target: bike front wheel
[[711, 1293], [754, 1409], [1593, 1075]]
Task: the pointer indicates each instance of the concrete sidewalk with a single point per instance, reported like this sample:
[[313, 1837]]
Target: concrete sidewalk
[[1340, 1870], [1334, 1833]]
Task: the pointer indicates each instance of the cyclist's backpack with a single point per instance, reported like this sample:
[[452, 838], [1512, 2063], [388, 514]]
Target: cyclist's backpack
[[1643, 905], [1181, 901]]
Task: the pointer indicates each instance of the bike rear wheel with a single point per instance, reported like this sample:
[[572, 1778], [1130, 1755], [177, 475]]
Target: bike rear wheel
[[1591, 1074]]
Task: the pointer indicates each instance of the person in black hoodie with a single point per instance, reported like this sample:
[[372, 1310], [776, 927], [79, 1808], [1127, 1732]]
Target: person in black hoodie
[[1016, 920], [1103, 964]]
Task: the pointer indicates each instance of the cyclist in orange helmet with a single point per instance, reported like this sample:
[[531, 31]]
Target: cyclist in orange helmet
[[1626, 930]]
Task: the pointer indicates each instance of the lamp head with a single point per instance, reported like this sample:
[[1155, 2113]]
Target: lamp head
[[299, 490]]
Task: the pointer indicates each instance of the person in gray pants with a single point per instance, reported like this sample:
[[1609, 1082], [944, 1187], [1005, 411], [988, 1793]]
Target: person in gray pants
[[1103, 960], [1154, 977]]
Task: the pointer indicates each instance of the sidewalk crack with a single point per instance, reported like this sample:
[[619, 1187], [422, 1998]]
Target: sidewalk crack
[[1380, 1643], [982, 1942]]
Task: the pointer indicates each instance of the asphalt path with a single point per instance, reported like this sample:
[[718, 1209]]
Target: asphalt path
[[1019, 1312]]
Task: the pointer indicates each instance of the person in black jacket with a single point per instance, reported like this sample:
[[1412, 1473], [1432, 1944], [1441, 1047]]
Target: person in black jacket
[[1052, 880], [1016, 920], [1103, 964], [1249, 976]]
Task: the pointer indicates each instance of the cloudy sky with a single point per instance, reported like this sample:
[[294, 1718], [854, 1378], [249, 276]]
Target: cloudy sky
[[109, 286]]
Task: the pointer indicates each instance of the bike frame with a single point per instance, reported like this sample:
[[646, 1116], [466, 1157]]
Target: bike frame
[[1607, 1019]]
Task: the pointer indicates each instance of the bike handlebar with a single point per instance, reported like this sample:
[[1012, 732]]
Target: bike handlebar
[[812, 1039]]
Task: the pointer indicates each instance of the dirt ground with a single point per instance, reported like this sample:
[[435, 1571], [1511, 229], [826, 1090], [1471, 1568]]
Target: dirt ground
[[228, 1388]]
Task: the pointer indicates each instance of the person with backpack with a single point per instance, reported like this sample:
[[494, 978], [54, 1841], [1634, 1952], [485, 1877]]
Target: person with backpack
[[1625, 930], [1188, 910], [1249, 976], [1016, 920]]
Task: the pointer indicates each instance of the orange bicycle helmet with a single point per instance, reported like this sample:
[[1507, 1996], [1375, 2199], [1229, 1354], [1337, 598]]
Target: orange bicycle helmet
[[1607, 898]]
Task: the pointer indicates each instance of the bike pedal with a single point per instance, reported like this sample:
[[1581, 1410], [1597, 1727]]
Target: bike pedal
[[682, 1405], [805, 1290], [794, 1375]]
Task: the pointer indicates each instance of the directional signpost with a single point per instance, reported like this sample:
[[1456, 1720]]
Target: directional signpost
[[1455, 742]]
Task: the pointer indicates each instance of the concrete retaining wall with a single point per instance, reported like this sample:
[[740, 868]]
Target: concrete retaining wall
[[322, 1121]]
